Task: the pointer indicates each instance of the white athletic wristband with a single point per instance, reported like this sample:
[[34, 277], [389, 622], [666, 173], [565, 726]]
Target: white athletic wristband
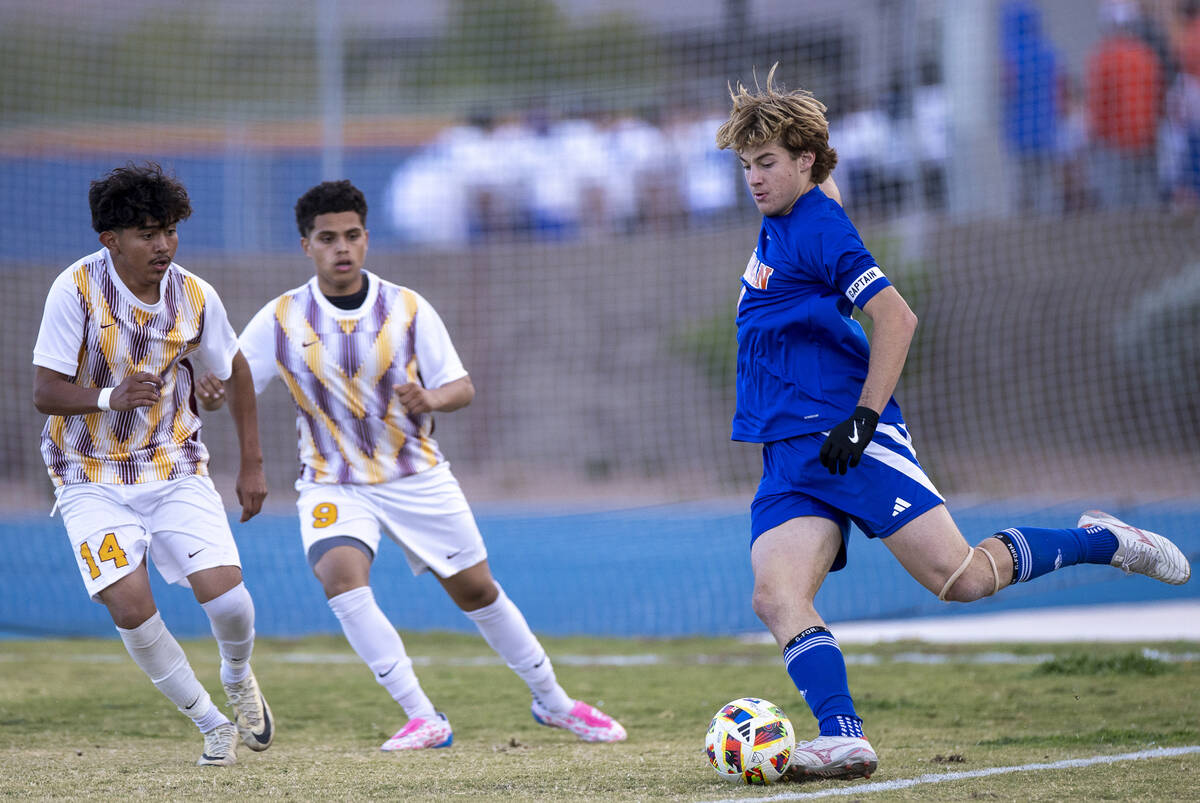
[[102, 399]]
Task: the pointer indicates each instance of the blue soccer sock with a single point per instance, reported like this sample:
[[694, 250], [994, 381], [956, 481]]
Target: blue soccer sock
[[1036, 551], [815, 663]]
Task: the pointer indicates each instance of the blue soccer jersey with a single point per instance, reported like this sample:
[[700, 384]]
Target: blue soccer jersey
[[802, 359]]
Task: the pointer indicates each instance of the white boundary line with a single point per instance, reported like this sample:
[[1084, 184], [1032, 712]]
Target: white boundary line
[[904, 783]]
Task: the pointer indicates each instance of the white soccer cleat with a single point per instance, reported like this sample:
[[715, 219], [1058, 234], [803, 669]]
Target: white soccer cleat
[[834, 757], [251, 713], [421, 733], [1141, 551], [220, 747], [585, 721]]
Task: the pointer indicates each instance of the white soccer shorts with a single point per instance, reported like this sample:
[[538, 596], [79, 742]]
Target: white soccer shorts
[[181, 522], [425, 513]]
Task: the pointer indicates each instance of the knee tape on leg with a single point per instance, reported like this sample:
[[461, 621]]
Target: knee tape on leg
[[957, 574], [995, 568], [963, 567]]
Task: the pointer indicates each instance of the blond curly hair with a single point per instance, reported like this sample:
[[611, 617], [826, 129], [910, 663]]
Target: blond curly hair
[[795, 119]]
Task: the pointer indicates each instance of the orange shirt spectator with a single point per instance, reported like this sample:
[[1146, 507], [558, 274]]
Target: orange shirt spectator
[[1125, 85]]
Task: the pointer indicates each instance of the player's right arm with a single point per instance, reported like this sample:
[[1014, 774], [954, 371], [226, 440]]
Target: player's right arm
[[251, 482], [56, 361], [257, 343], [57, 394]]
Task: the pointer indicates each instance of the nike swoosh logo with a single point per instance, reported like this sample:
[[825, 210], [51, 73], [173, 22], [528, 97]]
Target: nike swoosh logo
[[309, 343], [539, 663], [453, 554], [197, 552], [189, 707], [854, 435], [106, 325], [265, 736], [389, 670]]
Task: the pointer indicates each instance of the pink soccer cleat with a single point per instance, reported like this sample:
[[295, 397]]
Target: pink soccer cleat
[[834, 757], [420, 733], [585, 721], [1141, 551]]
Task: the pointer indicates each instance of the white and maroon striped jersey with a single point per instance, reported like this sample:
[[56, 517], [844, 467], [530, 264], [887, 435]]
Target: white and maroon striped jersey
[[96, 331], [340, 367]]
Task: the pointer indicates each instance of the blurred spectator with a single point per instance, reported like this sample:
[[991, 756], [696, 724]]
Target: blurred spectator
[[490, 162], [1150, 26], [565, 193], [1072, 148], [562, 178], [866, 142], [426, 203], [1147, 26], [534, 175], [708, 180], [1183, 107], [634, 151], [1189, 37], [1124, 91], [465, 185], [1031, 114], [933, 141]]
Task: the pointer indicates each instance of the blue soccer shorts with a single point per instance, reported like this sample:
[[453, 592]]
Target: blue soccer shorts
[[885, 491]]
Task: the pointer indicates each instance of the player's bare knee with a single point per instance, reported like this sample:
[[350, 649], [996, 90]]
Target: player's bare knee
[[761, 605], [778, 606], [475, 596], [766, 603], [337, 584]]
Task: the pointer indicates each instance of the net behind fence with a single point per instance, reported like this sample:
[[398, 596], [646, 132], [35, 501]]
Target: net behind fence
[[544, 173]]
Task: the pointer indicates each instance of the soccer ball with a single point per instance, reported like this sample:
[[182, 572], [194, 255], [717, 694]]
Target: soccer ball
[[750, 740]]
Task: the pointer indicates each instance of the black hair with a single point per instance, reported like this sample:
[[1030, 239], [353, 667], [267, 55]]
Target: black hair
[[128, 197], [328, 197]]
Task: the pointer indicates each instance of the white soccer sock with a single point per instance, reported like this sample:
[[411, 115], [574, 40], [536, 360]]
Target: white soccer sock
[[158, 654], [506, 631], [372, 636], [232, 618]]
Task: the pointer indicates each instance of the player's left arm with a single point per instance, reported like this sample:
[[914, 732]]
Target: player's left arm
[[251, 481], [220, 352], [210, 391], [440, 366], [830, 188], [892, 326], [450, 396]]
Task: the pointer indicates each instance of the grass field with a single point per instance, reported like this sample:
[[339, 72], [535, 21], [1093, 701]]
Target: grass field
[[79, 721]]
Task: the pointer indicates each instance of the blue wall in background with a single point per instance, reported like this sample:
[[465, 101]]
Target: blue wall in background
[[242, 201], [661, 572]]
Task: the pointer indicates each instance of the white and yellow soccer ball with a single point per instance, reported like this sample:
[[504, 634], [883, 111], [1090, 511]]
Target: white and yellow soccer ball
[[750, 740]]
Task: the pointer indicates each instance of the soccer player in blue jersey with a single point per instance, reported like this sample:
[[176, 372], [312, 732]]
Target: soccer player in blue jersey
[[816, 392]]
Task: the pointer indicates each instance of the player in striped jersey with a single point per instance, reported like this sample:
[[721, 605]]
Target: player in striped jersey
[[113, 371], [818, 395], [367, 362]]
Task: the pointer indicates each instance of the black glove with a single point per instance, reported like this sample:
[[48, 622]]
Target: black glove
[[846, 441]]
